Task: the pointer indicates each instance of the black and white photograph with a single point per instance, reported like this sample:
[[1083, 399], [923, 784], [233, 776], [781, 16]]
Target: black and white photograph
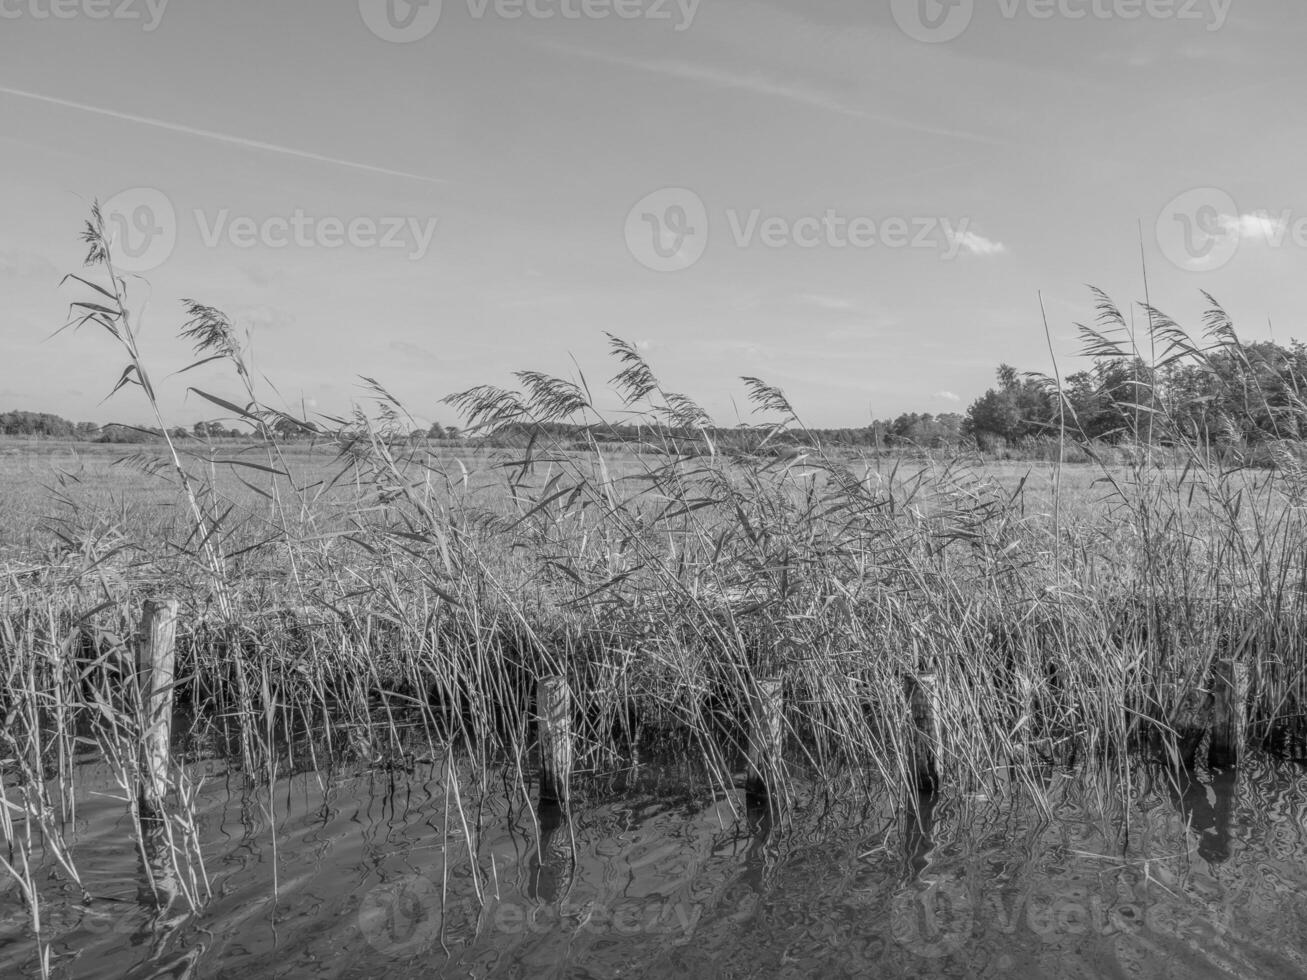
[[653, 489]]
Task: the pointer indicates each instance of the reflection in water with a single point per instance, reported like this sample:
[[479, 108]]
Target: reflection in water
[[160, 898], [1207, 805], [553, 863], [918, 826], [361, 874], [159, 888]]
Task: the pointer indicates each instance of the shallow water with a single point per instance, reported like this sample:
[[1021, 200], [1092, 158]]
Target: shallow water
[[360, 874]]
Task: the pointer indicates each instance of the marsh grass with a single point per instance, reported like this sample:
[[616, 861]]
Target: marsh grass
[[386, 605]]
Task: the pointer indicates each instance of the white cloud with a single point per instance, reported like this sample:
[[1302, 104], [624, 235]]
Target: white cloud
[[979, 244], [1259, 225], [947, 396]]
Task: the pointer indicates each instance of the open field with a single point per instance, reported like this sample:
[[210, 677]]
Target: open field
[[42, 483]]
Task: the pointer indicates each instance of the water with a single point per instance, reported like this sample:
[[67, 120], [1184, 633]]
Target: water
[[373, 878]]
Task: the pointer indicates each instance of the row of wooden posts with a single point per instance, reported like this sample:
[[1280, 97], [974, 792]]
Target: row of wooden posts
[[1226, 723], [155, 676], [156, 655]]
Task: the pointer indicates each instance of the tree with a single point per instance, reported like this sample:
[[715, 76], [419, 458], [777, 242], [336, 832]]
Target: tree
[[288, 428], [35, 424], [1018, 408], [994, 415]]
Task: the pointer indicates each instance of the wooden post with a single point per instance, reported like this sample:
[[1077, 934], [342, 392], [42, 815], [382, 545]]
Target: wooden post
[[1191, 719], [155, 656], [923, 697], [766, 735], [554, 727], [1229, 712]]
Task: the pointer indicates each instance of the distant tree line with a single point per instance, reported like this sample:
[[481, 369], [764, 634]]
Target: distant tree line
[[922, 430], [45, 426], [910, 430], [1239, 395], [42, 425], [1236, 395]]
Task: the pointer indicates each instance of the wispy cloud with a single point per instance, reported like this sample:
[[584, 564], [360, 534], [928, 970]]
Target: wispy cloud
[[947, 396], [979, 244], [218, 137], [760, 84], [262, 276], [833, 303], [1233, 230], [262, 317], [1267, 227], [25, 265], [415, 351], [542, 300]]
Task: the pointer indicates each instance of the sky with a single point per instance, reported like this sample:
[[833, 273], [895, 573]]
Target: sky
[[862, 203]]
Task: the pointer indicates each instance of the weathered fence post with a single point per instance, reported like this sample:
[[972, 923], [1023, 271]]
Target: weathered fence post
[[1229, 712], [554, 722], [155, 657], [923, 698], [766, 735]]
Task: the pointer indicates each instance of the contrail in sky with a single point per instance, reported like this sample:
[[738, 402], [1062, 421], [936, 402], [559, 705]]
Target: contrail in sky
[[761, 85], [219, 137]]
